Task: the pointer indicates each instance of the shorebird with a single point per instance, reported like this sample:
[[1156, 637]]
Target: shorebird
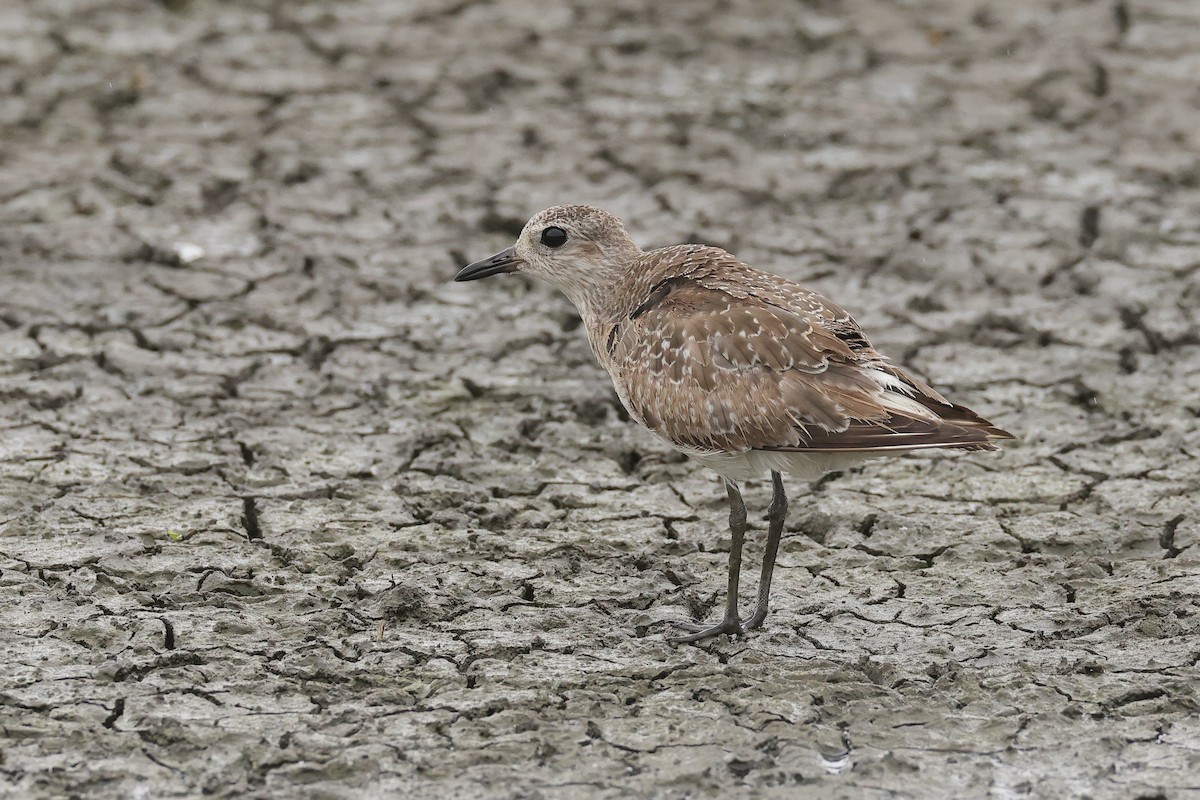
[[746, 372]]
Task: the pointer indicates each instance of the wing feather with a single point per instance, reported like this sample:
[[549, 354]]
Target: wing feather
[[733, 371]]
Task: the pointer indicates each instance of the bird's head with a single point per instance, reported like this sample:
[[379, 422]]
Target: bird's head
[[578, 249]]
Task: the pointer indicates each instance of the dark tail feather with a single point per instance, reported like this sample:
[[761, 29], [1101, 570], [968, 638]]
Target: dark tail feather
[[894, 433], [954, 426], [952, 413]]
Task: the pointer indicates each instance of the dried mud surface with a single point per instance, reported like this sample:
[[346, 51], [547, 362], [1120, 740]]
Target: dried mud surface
[[285, 514]]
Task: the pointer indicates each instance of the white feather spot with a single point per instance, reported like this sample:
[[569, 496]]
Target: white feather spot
[[889, 382]]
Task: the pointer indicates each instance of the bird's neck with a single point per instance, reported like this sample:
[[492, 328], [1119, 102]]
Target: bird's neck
[[601, 293], [602, 312]]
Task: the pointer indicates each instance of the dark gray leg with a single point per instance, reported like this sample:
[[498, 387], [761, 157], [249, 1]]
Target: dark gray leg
[[779, 506], [737, 533]]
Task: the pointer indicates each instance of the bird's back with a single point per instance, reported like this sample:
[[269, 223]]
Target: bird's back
[[719, 358]]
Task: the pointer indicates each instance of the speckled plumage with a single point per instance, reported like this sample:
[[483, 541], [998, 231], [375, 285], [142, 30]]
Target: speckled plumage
[[744, 371], [739, 368]]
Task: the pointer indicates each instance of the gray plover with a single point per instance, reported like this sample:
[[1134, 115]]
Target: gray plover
[[745, 372]]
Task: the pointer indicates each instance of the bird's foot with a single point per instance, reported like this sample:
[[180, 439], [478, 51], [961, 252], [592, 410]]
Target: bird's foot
[[699, 631], [756, 621]]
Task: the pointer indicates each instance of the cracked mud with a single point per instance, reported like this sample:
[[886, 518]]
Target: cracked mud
[[284, 513]]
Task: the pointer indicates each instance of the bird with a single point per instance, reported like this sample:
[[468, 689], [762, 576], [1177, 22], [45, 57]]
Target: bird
[[745, 372]]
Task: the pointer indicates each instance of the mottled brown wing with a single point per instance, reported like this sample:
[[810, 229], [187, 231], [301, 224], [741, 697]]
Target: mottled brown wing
[[711, 371]]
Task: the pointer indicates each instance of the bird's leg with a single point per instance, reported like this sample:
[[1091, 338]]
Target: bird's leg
[[779, 507], [731, 624]]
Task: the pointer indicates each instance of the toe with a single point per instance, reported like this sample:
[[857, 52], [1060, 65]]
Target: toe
[[698, 631]]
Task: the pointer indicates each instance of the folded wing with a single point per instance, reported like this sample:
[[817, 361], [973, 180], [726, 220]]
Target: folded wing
[[711, 370]]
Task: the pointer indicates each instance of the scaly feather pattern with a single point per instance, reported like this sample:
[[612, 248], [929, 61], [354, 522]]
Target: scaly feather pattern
[[715, 356]]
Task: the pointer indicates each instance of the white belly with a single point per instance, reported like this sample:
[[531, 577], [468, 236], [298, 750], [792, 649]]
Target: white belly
[[759, 463]]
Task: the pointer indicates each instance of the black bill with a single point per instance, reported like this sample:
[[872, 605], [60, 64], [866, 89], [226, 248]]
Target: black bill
[[504, 261]]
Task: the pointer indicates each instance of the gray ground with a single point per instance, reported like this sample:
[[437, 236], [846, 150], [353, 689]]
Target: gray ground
[[297, 517]]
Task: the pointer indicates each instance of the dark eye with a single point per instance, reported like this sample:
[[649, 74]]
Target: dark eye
[[554, 237]]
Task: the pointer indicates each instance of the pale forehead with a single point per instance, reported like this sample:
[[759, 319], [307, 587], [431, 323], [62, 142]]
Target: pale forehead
[[591, 222]]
